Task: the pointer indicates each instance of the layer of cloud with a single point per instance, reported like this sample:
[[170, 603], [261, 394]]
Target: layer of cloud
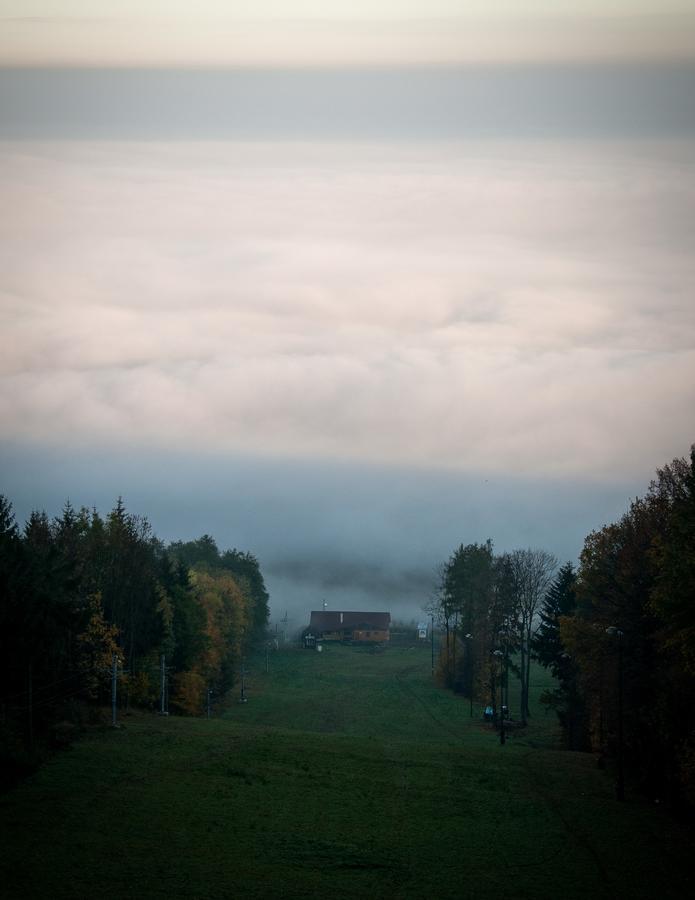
[[493, 308], [341, 33]]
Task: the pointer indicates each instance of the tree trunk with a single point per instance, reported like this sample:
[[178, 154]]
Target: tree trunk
[[447, 675], [527, 679], [522, 670]]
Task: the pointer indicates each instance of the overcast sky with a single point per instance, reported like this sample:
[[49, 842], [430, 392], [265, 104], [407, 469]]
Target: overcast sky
[[347, 319], [340, 32]]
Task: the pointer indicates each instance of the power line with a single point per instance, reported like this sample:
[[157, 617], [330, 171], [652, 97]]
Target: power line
[[46, 686], [47, 701]]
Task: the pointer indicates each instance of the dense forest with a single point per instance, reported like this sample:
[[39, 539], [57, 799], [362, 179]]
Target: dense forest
[[618, 633], [87, 601]]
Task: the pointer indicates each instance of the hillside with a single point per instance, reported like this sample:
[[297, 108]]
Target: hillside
[[347, 773]]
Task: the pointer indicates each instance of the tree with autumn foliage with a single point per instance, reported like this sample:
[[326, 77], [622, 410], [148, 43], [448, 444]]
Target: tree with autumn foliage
[[673, 554], [79, 588], [227, 618], [489, 608], [96, 646], [630, 636], [203, 554], [463, 603]]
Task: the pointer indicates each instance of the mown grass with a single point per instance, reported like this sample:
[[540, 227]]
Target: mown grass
[[346, 774]]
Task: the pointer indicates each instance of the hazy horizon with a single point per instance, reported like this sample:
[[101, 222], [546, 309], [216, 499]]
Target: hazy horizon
[[444, 103], [358, 536]]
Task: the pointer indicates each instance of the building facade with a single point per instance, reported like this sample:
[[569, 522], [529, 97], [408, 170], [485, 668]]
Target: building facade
[[362, 627]]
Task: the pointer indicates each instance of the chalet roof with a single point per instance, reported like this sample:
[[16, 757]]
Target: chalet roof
[[335, 620]]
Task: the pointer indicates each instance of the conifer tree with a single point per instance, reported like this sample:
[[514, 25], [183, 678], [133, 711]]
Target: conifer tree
[[560, 600], [560, 603]]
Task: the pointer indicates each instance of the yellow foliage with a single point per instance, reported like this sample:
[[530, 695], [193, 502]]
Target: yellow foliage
[[227, 613], [97, 644], [188, 693], [142, 691]]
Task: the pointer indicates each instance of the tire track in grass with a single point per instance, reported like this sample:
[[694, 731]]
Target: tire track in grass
[[579, 839], [409, 691], [537, 785]]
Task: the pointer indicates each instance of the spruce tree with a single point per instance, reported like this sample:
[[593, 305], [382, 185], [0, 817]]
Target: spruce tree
[[560, 600]]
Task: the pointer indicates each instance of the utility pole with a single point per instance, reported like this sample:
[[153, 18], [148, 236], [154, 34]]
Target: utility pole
[[503, 690], [284, 629], [30, 692], [209, 695], [164, 705], [114, 689], [242, 697], [266, 657], [469, 667]]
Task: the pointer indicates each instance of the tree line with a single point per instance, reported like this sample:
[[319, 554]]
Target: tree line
[[487, 606], [79, 589], [617, 632]]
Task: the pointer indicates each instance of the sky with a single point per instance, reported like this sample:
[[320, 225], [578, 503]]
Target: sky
[[346, 285], [342, 32]]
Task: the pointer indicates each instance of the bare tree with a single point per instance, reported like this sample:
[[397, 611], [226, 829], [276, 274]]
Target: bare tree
[[532, 573]]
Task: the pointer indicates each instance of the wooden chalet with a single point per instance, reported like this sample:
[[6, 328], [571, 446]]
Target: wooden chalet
[[368, 627]]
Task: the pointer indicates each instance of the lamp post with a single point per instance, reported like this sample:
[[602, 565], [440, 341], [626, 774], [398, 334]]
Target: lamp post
[[500, 655], [620, 782], [468, 638], [505, 688], [114, 689], [568, 680], [504, 679], [432, 638]]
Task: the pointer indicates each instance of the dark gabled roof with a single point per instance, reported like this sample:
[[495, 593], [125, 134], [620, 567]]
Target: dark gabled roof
[[325, 620]]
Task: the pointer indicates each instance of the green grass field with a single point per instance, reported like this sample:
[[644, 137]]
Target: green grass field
[[347, 774]]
